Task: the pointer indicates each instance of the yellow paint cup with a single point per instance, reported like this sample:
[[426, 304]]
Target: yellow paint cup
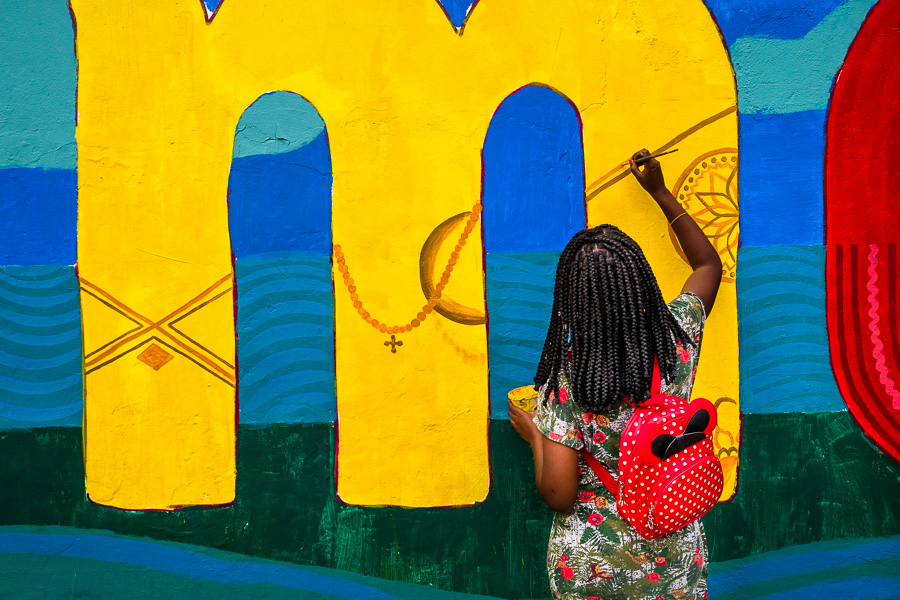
[[524, 397]]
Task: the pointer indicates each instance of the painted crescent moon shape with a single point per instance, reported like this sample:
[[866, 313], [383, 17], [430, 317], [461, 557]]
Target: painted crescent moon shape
[[446, 307]]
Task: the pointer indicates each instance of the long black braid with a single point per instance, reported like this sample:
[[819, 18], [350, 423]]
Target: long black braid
[[609, 313]]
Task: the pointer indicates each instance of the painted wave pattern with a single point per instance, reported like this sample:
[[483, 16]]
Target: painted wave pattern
[[109, 565], [285, 341], [519, 301], [40, 347], [857, 569], [863, 568], [785, 363]]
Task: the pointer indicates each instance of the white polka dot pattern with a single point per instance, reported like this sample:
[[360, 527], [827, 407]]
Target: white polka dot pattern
[[658, 496]]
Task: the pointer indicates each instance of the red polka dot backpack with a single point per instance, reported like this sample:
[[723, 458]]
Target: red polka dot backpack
[[669, 475]]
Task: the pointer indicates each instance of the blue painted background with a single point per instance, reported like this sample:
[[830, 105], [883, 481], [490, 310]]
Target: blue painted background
[[785, 57]]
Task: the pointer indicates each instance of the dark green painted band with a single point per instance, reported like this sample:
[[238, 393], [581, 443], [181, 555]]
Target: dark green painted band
[[804, 478]]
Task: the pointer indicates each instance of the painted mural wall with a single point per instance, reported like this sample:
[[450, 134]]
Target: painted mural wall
[[269, 272]]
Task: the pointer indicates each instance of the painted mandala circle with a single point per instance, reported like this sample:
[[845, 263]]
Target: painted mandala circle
[[707, 190]]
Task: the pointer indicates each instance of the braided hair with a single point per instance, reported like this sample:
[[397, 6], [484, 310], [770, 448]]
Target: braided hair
[[609, 313]]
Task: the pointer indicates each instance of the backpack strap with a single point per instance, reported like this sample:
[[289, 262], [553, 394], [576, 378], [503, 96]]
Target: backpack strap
[[656, 380], [600, 471]]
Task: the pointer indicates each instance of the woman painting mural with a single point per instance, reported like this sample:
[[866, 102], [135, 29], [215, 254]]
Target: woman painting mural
[[609, 321]]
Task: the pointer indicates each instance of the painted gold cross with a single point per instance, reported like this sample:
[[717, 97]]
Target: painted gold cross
[[393, 343]]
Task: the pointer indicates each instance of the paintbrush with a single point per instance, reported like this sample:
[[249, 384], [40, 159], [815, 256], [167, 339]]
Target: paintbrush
[[643, 159]]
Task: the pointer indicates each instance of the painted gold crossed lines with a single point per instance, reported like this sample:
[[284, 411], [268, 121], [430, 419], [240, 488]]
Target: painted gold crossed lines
[[163, 331]]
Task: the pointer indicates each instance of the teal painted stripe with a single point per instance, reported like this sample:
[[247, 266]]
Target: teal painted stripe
[[30, 376], [276, 332], [186, 561], [41, 305], [518, 370], [536, 262], [539, 304], [40, 359], [784, 354], [275, 123], [801, 332], [804, 263], [521, 275], [521, 290], [520, 332], [35, 274], [862, 568], [768, 356], [763, 288], [27, 385], [23, 281], [284, 363], [282, 338], [13, 321], [316, 327], [20, 343], [40, 347], [311, 274], [280, 394], [37, 98], [285, 344], [74, 577], [519, 299], [785, 76], [775, 382], [318, 407], [255, 270], [873, 587], [127, 559], [19, 416], [299, 302], [533, 315]]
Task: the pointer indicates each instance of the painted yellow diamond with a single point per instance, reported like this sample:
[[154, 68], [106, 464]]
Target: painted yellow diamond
[[155, 357]]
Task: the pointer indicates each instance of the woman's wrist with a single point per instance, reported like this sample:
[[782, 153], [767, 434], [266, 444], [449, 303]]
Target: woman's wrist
[[667, 203], [662, 195]]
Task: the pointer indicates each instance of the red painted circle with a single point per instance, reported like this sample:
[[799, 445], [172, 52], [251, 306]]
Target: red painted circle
[[862, 227]]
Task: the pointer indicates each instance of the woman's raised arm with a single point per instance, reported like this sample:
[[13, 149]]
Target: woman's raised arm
[[701, 255]]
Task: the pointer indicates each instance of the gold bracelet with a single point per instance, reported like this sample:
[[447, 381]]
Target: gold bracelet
[[676, 218]]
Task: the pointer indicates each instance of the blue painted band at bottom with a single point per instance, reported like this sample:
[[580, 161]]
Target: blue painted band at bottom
[[181, 559]]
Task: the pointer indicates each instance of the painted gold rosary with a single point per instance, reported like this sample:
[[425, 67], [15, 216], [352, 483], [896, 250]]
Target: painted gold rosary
[[428, 307]]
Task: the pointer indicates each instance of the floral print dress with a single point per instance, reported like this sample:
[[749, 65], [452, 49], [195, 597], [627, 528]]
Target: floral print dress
[[593, 553]]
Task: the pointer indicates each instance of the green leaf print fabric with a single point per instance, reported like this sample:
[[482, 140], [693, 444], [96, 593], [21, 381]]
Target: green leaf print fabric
[[593, 554]]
